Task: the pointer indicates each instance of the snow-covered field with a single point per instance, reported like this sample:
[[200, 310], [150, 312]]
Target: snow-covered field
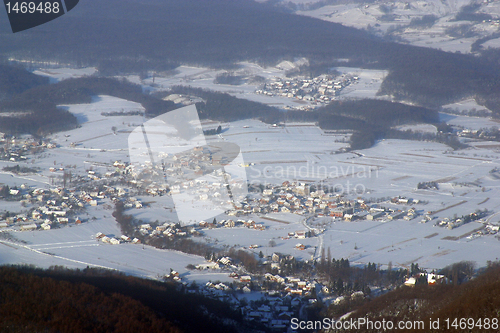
[[76, 247], [295, 152], [468, 105], [396, 17], [397, 167], [473, 123], [299, 152], [424, 128], [65, 73], [368, 84]]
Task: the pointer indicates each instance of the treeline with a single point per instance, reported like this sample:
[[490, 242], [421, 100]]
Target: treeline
[[477, 299], [469, 13], [19, 169], [31, 303], [425, 21], [128, 226], [98, 300], [40, 118], [15, 79], [81, 90], [446, 138], [343, 278], [221, 33], [218, 34], [371, 119], [379, 112], [224, 107], [229, 78], [435, 79], [37, 111], [159, 35]]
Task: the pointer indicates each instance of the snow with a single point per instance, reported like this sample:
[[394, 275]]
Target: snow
[[295, 152], [425, 128], [76, 247], [366, 86], [465, 106], [59, 74], [368, 16], [474, 123], [493, 43]]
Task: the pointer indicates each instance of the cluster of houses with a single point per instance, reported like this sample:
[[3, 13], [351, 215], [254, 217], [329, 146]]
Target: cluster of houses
[[430, 278], [181, 173], [321, 89], [489, 229], [273, 311], [58, 206], [276, 306], [251, 224], [115, 241], [14, 149], [54, 206], [168, 229], [296, 198], [456, 222], [483, 134], [282, 297]]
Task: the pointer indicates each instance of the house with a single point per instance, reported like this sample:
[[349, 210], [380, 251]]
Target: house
[[374, 215], [62, 220], [396, 215], [431, 279], [259, 227], [114, 241], [434, 278], [300, 247], [337, 212], [29, 227], [36, 215], [245, 278], [212, 265], [125, 238], [300, 234], [225, 260], [348, 217]]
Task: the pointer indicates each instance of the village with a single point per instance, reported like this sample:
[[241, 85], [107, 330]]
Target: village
[[282, 295], [271, 295], [319, 90], [70, 193]]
